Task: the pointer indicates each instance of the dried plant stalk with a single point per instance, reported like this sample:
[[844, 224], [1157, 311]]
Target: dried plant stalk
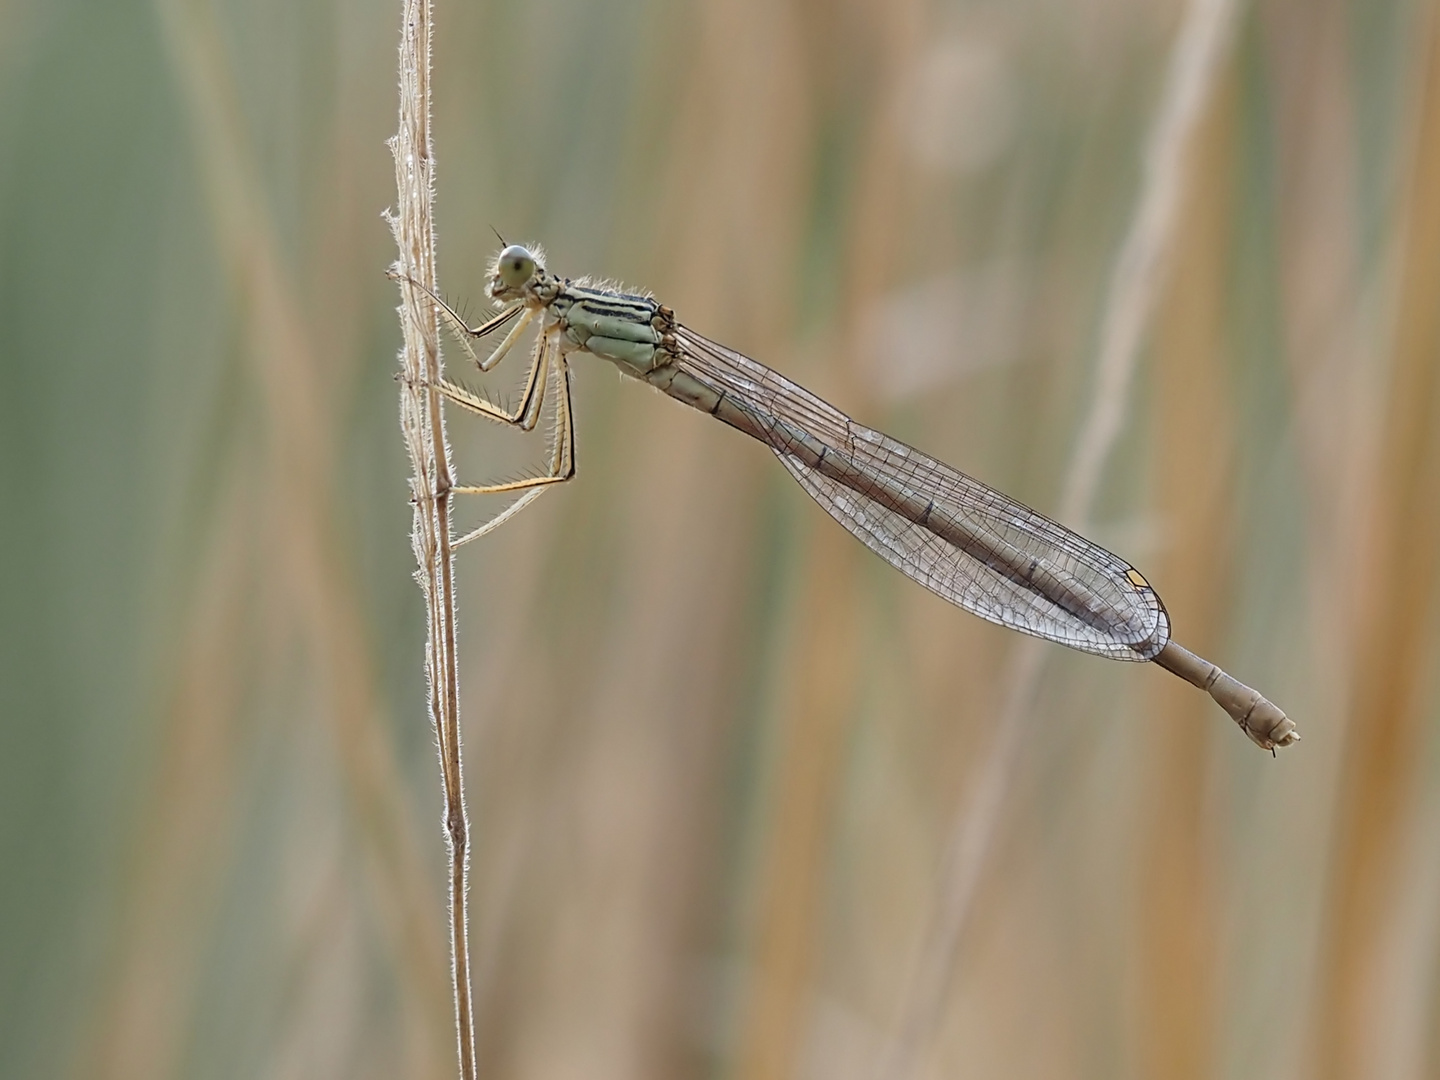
[[422, 423]]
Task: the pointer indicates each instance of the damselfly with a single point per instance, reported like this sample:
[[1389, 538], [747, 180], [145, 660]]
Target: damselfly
[[960, 539]]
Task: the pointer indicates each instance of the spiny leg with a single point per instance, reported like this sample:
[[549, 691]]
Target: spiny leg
[[462, 330], [562, 457], [528, 414]]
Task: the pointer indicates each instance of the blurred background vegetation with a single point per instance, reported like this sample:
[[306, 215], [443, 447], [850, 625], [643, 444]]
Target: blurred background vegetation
[[715, 750]]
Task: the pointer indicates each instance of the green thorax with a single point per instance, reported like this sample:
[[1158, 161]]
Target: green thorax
[[624, 329]]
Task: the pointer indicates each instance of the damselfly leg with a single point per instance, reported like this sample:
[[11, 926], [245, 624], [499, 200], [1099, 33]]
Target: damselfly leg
[[547, 364], [527, 414], [562, 454]]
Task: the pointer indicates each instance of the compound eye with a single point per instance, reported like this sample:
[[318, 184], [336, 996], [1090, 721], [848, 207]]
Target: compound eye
[[515, 266]]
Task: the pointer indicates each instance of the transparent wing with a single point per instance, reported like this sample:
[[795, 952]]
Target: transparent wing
[[959, 538]]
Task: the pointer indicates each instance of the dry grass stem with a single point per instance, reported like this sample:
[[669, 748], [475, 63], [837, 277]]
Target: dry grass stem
[[422, 423]]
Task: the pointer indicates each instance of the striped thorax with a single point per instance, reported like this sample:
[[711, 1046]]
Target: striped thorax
[[629, 330]]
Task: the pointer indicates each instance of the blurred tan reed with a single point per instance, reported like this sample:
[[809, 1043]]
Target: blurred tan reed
[[316, 604], [1177, 933], [1140, 273], [1393, 674]]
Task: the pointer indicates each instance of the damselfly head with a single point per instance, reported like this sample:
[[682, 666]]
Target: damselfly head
[[513, 269]]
